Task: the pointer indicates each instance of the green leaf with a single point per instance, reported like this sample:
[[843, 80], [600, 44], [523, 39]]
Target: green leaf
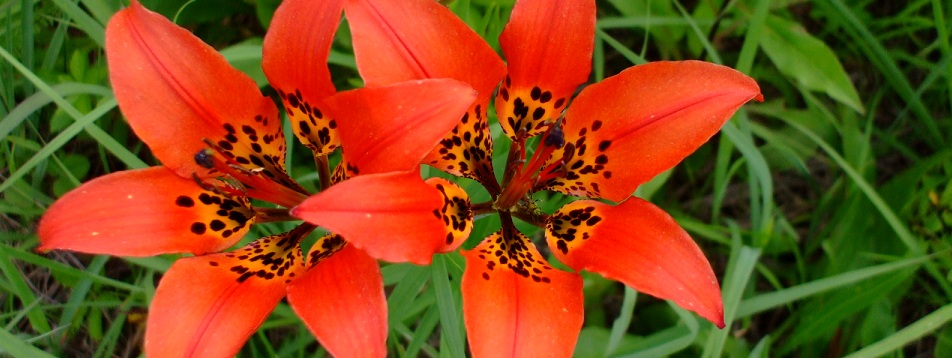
[[778, 298], [16, 347], [809, 61], [907, 335], [448, 307]]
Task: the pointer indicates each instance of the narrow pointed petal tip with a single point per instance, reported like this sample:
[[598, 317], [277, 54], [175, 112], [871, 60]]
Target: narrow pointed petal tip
[[392, 216], [392, 128], [175, 90], [640, 245], [515, 304], [341, 300], [625, 130], [208, 306], [144, 212]]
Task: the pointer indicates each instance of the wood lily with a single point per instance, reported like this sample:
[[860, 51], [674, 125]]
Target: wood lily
[[221, 145], [612, 137]]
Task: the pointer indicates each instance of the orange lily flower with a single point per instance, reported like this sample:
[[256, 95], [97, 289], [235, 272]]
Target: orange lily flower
[[612, 137], [221, 144]]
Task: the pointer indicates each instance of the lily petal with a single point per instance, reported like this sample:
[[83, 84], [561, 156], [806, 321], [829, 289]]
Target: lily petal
[[456, 212], [144, 212], [294, 57], [176, 91], [401, 40], [625, 130], [392, 128], [341, 299], [516, 305], [208, 306], [548, 46], [392, 216], [640, 245]]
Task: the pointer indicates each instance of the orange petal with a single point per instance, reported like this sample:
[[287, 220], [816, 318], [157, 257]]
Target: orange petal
[[548, 46], [456, 213], [392, 128], [468, 149], [208, 306], [401, 40], [393, 216], [640, 245], [294, 58], [175, 91], [623, 131], [341, 299], [516, 305], [144, 212]]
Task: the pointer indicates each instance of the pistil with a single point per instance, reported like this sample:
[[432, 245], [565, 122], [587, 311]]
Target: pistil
[[524, 181]]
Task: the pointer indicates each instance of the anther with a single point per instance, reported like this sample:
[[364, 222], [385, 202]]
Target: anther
[[204, 158], [556, 137]]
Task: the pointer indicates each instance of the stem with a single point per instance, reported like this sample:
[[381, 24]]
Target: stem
[[323, 171], [531, 214], [482, 208], [508, 228]]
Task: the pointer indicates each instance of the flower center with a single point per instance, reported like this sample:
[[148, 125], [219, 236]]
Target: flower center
[[232, 178], [520, 181]]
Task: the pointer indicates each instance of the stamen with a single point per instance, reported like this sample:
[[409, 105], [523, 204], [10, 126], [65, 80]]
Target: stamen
[[231, 188], [524, 182], [246, 182], [267, 215]]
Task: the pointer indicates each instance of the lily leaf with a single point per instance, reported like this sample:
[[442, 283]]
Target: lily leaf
[[809, 61]]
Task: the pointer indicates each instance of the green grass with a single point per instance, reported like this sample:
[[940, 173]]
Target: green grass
[[826, 211]]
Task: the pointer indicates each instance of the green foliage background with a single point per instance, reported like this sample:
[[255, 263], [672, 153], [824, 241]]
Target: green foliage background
[[826, 211]]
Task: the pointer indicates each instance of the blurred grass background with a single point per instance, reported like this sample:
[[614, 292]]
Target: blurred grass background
[[826, 211]]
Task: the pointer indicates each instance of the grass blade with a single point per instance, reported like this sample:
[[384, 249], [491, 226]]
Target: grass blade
[[774, 299], [623, 321], [912, 332], [449, 311], [879, 56], [16, 347], [65, 136]]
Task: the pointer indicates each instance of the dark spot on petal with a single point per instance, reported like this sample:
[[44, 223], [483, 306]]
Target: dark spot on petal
[[198, 228], [184, 201]]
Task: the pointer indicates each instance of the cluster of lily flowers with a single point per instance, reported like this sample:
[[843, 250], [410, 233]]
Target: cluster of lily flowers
[[429, 80]]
